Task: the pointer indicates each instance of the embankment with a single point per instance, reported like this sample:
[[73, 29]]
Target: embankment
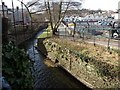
[[96, 67]]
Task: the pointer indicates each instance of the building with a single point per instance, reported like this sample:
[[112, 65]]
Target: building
[[3, 9], [20, 15]]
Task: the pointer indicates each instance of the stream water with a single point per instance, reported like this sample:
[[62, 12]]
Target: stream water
[[49, 77]]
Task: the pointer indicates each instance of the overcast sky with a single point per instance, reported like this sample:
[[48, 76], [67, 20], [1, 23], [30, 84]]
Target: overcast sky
[[89, 4]]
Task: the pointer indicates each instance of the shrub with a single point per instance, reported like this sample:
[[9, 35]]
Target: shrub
[[16, 67]]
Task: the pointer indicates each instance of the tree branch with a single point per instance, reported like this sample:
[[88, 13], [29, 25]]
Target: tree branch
[[50, 15], [62, 17], [27, 9], [32, 4]]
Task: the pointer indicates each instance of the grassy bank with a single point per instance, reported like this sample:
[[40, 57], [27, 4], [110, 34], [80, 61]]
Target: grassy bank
[[103, 61], [46, 33]]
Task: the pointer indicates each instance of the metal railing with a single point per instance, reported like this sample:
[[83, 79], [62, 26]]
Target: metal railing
[[16, 27], [102, 35]]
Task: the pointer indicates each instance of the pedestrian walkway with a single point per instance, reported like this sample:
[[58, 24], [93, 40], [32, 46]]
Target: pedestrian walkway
[[65, 31]]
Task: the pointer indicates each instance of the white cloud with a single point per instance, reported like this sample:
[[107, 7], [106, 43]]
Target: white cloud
[[101, 4], [89, 4]]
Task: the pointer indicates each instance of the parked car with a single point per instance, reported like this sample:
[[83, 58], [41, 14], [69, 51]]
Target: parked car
[[116, 30], [103, 23], [116, 34]]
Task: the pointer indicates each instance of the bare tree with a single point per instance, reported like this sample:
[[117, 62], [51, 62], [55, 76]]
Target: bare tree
[[54, 10], [27, 7], [52, 14]]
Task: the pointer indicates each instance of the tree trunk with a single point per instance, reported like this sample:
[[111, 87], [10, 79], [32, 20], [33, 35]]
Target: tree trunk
[[54, 31]]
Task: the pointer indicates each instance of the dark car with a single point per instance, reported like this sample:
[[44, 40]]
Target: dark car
[[116, 33], [116, 30]]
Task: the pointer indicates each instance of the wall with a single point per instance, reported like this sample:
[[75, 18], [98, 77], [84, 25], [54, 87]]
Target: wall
[[0, 51], [76, 64]]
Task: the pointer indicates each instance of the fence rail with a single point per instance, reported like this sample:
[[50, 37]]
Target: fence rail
[[96, 35], [16, 24]]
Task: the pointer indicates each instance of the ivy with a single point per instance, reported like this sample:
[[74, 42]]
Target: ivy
[[16, 67]]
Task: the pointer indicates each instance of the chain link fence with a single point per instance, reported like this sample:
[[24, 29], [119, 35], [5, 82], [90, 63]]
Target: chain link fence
[[92, 33]]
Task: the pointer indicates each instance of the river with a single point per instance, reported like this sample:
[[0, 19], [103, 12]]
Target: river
[[49, 77]]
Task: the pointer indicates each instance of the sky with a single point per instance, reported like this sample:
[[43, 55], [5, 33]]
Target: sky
[[88, 4], [101, 4]]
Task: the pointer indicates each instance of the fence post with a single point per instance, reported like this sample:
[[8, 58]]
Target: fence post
[[4, 30], [3, 5], [0, 51], [83, 33], [23, 22], [109, 40], [74, 30], [70, 64], [94, 36]]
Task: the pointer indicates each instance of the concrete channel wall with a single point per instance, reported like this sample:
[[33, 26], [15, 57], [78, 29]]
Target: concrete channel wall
[[72, 63]]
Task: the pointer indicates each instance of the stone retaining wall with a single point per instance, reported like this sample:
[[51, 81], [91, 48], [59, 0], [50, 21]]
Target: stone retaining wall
[[72, 62]]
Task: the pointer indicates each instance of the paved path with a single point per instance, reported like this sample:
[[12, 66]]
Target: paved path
[[104, 43], [64, 31]]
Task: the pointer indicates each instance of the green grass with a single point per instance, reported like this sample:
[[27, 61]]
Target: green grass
[[46, 33]]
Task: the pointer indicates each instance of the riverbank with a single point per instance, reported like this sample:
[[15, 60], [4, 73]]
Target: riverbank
[[45, 73], [94, 66]]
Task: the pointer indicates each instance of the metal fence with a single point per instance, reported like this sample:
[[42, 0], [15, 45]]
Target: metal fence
[[92, 33]]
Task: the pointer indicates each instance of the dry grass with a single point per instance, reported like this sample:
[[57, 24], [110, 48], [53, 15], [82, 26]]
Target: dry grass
[[104, 61], [98, 52]]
